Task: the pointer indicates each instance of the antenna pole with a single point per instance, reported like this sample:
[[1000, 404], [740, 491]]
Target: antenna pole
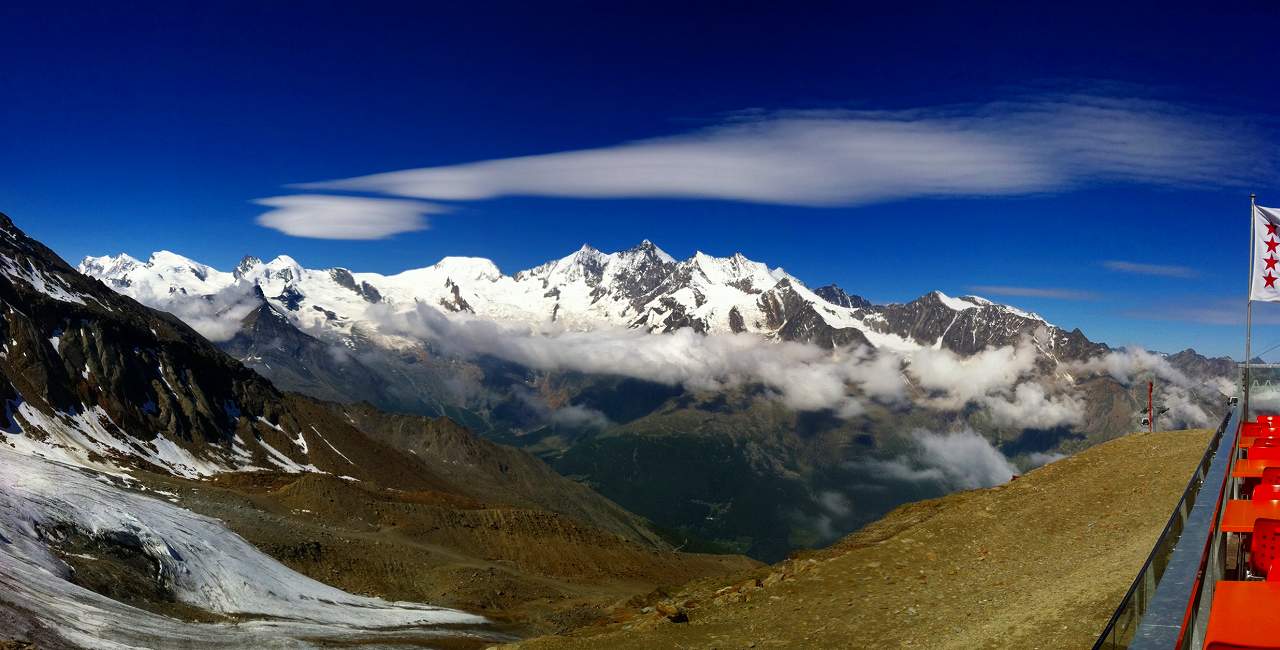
[[1151, 408]]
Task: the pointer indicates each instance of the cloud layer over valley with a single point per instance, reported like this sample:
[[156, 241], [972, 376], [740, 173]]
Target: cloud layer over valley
[[805, 377]]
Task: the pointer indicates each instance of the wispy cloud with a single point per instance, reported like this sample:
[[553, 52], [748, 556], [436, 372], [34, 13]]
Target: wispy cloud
[[321, 216], [828, 158], [1208, 310], [1164, 270], [1033, 292]]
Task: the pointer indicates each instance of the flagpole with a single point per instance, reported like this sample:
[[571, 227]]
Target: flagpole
[[1248, 318]]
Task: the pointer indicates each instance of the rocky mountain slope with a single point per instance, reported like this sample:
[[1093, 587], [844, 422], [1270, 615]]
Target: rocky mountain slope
[[1040, 562], [92, 376], [114, 409]]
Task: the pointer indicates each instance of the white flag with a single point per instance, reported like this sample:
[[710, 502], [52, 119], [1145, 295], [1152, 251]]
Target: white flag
[[1265, 282]]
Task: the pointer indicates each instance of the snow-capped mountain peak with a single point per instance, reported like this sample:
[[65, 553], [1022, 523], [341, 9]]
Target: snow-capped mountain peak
[[110, 265], [246, 265], [736, 271], [649, 249], [164, 271]]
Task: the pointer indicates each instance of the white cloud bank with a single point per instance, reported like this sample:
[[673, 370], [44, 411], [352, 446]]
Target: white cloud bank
[[826, 158], [1175, 390], [804, 377], [961, 460], [216, 317], [321, 216]]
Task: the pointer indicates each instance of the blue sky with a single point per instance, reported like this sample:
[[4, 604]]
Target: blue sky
[[891, 152]]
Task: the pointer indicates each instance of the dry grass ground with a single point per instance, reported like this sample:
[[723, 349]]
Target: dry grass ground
[[529, 570], [1037, 563]]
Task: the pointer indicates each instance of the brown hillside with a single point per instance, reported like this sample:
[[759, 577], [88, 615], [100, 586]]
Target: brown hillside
[[1037, 563], [533, 570]]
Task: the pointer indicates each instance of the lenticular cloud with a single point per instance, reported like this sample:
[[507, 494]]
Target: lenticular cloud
[[824, 158], [344, 217]]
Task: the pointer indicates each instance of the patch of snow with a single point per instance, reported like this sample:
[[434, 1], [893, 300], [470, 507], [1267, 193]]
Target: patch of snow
[[284, 462], [271, 424], [163, 378], [50, 286], [335, 449], [77, 438], [954, 303]]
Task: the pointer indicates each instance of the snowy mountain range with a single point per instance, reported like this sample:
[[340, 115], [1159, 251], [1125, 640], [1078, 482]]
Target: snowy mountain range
[[642, 288]]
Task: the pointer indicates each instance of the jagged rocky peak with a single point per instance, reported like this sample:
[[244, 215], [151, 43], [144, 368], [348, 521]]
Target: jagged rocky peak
[[648, 250], [835, 295], [110, 265], [585, 264], [247, 264], [737, 271]]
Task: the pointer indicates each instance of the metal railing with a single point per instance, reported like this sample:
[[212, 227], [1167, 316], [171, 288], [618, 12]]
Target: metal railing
[[1135, 619]]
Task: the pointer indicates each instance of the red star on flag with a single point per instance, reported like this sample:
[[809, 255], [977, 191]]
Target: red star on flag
[[1271, 279], [1271, 262], [1271, 245], [1271, 229]]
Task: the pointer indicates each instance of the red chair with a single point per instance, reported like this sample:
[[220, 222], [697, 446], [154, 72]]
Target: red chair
[[1264, 453], [1264, 548], [1266, 492], [1269, 441], [1270, 476]]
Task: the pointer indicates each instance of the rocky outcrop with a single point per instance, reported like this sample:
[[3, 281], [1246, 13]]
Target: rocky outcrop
[[793, 318], [837, 296]]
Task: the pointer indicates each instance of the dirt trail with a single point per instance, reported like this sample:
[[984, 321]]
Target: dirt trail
[[1037, 563]]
